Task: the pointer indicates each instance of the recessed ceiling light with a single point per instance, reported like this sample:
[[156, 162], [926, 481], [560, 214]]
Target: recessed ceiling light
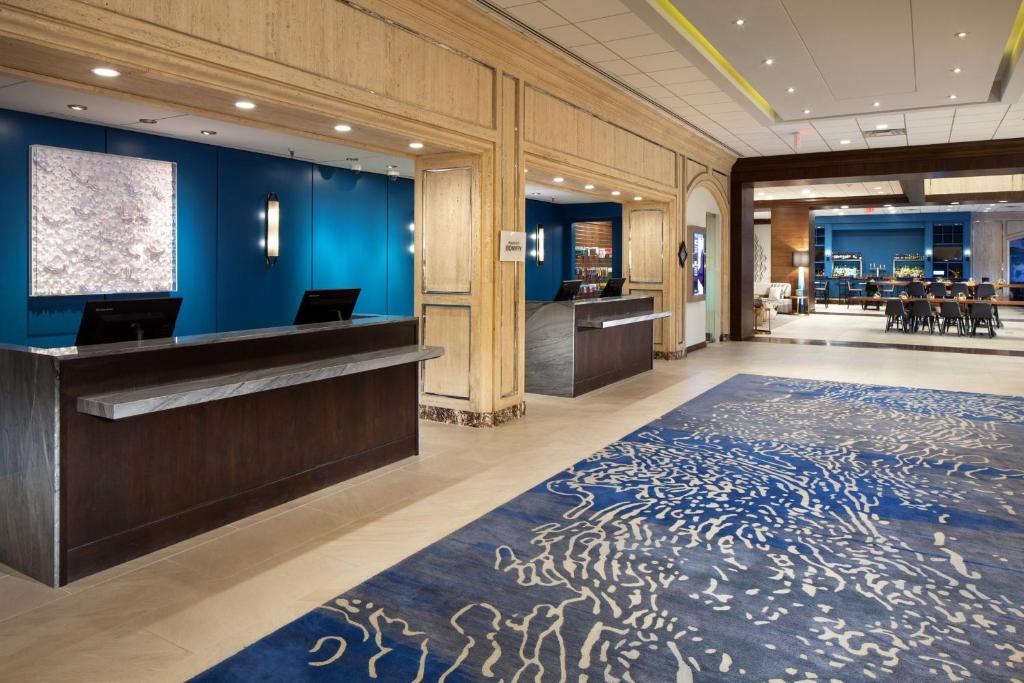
[[149, 121], [588, 187], [1002, 201], [881, 126], [878, 187], [954, 203], [844, 142], [343, 128], [739, 22], [960, 34], [952, 97], [208, 132], [638, 198], [876, 104], [768, 61], [77, 107], [245, 104], [841, 213], [888, 206], [558, 179], [956, 69], [615, 193], [791, 89], [106, 72], [807, 111], [844, 206], [415, 145], [805, 191]]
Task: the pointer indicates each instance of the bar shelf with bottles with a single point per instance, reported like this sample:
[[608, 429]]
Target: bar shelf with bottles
[[593, 256]]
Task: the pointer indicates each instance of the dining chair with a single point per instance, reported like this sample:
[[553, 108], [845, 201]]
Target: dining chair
[[896, 316], [855, 288], [987, 290], [961, 288], [921, 314], [915, 289], [937, 290], [981, 314], [821, 291], [950, 314]]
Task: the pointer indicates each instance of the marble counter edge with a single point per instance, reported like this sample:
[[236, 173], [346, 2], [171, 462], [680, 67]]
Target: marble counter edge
[[123, 404]]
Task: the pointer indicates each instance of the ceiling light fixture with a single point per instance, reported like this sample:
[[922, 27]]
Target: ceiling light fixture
[[844, 206], [807, 111], [415, 145], [960, 34], [954, 203], [106, 72], [208, 132], [805, 191], [844, 142], [149, 121], [638, 198], [615, 193], [876, 104], [343, 128], [588, 187], [881, 126], [956, 69], [791, 89], [952, 96], [1003, 201], [768, 61], [77, 107], [888, 206], [558, 179], [739, 22], [245, 104]]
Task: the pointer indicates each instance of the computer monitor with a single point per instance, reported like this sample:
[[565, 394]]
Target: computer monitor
[[121, 320], [613, 287], [568, 290], [326, 305]]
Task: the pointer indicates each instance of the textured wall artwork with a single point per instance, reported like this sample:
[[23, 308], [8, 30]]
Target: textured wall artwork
[[101, 223]]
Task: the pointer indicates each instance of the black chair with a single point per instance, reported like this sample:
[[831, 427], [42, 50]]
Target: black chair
[[981, 314], [950, 314], [855, 288], [821, 291], [896, 316], [987, 290], [921, 314], [887, 289], [915, 289], [961, 288], [937, 290]]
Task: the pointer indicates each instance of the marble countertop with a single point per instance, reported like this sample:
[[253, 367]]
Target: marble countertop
[[98, 350]]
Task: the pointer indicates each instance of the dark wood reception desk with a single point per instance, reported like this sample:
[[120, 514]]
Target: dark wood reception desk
[[573, 347], [109, 452]]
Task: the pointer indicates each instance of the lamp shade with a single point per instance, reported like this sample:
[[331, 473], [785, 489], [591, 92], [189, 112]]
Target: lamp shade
[[801, 259]]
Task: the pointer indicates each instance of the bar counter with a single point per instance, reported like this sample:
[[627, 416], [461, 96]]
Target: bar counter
[[573, 347], [112, 451]]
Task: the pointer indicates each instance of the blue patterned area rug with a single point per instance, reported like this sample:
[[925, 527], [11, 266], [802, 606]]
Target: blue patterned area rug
[[769, 530]]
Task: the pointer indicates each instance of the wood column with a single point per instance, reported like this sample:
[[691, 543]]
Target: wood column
[[790, 233]]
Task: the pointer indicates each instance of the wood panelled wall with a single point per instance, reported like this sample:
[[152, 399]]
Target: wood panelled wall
[[790, 233], [440, 71]]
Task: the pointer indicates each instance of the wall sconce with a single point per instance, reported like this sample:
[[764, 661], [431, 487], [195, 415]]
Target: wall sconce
[[540, 245], [828, 254], [272, 227], [927, 254], [967, 254]]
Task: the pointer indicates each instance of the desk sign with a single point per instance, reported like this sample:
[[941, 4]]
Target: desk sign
[[513, 245]]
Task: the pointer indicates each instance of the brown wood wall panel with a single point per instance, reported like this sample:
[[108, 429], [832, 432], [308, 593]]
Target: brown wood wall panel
[[790, 233]]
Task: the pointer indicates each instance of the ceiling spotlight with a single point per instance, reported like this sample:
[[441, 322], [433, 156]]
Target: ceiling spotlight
[[149, 121], [106, 72], [805, 191], [1003, 201], [876, 104], [956, 69], [208, 132], [588, 187], [392, 172], [881, 126], [558, 179], [768, 61], [844, 142], [791, 89], [77, 107], [807, 111], [952, 97], [615, 193], [638, 198], [954, 203], [415, 145], [343, 128], [844, 206], [739, 22], [888, 206], [245, 104], [878, 187], [960, 34]]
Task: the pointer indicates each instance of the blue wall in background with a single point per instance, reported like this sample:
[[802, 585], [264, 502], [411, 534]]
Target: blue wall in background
[[338, 229], [542, 281]]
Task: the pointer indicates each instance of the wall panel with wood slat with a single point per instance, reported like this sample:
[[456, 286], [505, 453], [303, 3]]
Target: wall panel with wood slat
[[790, 233]]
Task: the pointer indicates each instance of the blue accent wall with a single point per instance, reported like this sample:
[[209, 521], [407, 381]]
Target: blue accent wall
[[338, 229], [542, 281]]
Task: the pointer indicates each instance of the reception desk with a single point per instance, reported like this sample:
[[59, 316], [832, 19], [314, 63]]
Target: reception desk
[[573, 347], [109, 452]]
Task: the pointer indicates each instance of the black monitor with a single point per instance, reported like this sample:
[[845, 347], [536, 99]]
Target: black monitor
[[568, 290], [613, 287], [326, 305], [121, 320]]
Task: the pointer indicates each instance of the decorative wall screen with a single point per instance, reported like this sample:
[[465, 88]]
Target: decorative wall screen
[[101, 223]]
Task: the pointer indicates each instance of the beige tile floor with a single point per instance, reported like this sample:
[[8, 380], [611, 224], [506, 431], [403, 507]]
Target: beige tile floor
[[171, 614], [839, 323]]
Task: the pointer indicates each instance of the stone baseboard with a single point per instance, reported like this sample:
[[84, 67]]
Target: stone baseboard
[[468, 418], [669, 355]]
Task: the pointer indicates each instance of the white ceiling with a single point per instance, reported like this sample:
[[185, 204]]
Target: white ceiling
[[543, 193], [810, 191], [840, 57], [38, 98], [981, 209]]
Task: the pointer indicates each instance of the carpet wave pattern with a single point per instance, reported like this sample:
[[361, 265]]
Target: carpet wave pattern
[[771, 529]]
